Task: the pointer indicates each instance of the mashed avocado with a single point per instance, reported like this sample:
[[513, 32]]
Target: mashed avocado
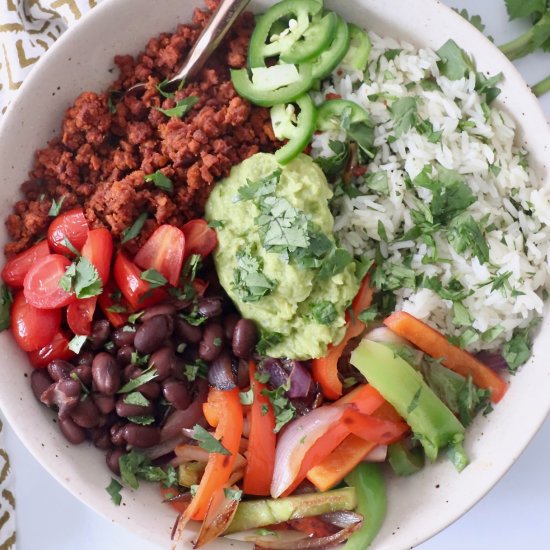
[[277, 258]]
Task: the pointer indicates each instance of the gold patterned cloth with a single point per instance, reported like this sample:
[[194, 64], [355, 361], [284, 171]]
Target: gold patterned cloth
[[27, 29]]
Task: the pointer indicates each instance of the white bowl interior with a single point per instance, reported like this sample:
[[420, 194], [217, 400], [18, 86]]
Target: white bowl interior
[[419, 506]]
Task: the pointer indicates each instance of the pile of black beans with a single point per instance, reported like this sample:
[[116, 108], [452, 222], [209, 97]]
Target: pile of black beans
[[85, 392]]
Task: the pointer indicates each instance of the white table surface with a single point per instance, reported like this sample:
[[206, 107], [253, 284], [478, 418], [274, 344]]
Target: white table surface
[[514, 515]]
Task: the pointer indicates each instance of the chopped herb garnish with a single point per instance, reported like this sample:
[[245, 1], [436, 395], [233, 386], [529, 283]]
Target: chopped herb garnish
[[76, 343], [208, 442], [267, 341], [264, 409], [518, 350], [139, 360], [160, 180], [335, 263], [461, 316], [324, 312], [146, 376], [369, 314], [499, 281], [216, 224], [262, 377], [414, 403], [378, 181], [136, 398], [134, 317], [454, 62], [283, 408], [154, 278], [6, 300], [114, 489], [134, 465], [183, 106], [116, 308], [404, 114], [82, 278], [248, 279], [142, 420], [465, 233], [265, 186], [133, 231], [335, 163], [233, 494], [55, 208]]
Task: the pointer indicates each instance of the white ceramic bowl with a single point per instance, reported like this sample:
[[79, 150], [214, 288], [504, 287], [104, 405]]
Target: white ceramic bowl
[[419, 506]]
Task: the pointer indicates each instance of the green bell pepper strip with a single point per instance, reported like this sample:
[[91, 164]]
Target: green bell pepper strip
[[359, 49], [371, 503], [255, 93], [330, 112], [299, 134], [316, 39], [330, 59], [432, 423], [405, 462], [262, 44]]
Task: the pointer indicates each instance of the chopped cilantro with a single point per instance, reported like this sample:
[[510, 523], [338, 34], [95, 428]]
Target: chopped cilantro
[[493, 333], [55, 208], [114, 489], [454, 62], [404, 114], [160, 180], [154, 278], [161, 88], [6, 300], [454, 290], [133, 231], [324, 312], [414, 402], [254, 190], [142, 420], [283, 408], [335, 263], [262, 377], [208, 442], [464, 233], [117, 308], [216, 224], [499, 281], [378, 181], [268, 340], [248, 279], [134, 465], [198, 369], [369, 314], [518, 350], [390, 55], [183, 106], [139, 360], [146, 376], [136, 398], [461, 316], [334, 164], [82, 278], [134, 317]]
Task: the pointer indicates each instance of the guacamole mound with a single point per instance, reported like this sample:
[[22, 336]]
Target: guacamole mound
[[277, 258]]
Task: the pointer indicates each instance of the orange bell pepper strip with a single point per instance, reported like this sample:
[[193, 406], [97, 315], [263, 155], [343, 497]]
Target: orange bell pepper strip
[[261, 442], [337, 465], [436, 345], [325, 369], [219, 467], [364, 398]]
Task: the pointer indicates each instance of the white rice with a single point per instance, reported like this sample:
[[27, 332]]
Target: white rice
[[521, 241]]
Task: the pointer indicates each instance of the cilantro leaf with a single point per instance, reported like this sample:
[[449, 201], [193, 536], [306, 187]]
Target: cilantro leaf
[[267, 341], [208, 442], [6, 300], [474, 20], [454, 61], [133, 231], [160, 180], [324, 312], [282, 407], [82, 278], [146, 376], [362, 133], [454, 290], [404, 114], [369, 314], [134, 465], [114, 489], [248, 279], [142, 420], [378, 181], [136, 398], [55, 208], [464, 233], [161, 88], [461, 316], [335, 263], [334, 164], [154, 278], [525, 8], [198, 369], [265, 186], [183, 106], [518, 350]]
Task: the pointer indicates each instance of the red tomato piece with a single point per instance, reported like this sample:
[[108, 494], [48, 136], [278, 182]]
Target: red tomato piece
[[163, 251], [41, 285], [199, 238], [58, 348], [80, 314], [17, 267], [200, 286], [33, 328], [71, 225], [138, 292], [98, 249], [107, 303]]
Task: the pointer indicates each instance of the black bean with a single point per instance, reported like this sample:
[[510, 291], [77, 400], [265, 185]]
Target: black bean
[[40, 382], [85, 358], [210, 307], [101, 438], [211, 344], [126, 409], [245, 337], [123, 338], [151, 334], [243, 374], [59, 369], [164, 360], [131, 371], [73, 433], [141, 436], [124, 355], [187, 332], [229, 323], [101, 331], [112, 458], [117, 434], [106, 374], [159, 309], [176, 393], [65, 395], [84, 373], [105, 403], [86, 414]]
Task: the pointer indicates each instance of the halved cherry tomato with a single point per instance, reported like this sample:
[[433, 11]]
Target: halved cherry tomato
[[71, 225], [199, 238], [41, 285], [98, 249], [58, 348], [137, 291], [107, 303], [200, 286], [163, 251], [80, 314], [17, 267], [33, 328]]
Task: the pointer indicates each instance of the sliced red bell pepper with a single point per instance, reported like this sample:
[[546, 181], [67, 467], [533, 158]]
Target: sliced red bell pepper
[[437, 346], [220, 466], [116, 311], [261, 442]]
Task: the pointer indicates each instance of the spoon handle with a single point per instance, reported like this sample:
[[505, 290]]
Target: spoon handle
[[211, 36]]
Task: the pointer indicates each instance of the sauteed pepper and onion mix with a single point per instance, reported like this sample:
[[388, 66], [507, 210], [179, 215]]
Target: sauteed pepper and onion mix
[[175, 280]]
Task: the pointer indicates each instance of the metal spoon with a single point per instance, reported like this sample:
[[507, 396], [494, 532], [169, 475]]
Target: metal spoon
[[208, 41]]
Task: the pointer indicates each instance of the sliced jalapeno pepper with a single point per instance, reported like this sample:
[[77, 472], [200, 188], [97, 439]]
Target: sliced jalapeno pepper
[[264, 43], [315, 40], [359, 49], [273, 85], [329, 59], [331, 111], [298, 129]]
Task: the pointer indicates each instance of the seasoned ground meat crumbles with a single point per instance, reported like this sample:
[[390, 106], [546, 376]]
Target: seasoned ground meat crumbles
[[109, 142]]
